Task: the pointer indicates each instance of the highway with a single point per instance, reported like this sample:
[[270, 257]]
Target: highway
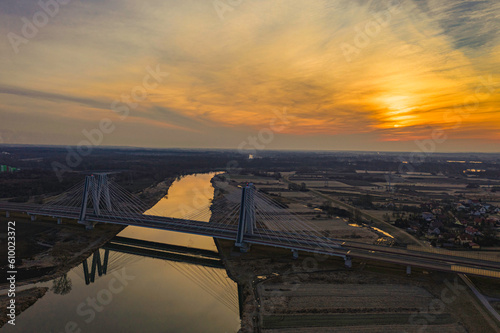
[[289, 240]]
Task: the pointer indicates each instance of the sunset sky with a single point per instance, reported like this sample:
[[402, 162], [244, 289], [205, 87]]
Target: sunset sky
[[302, 74]]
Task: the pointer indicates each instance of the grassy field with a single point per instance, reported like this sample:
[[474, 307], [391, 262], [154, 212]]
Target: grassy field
[[448, 328], [332, 320], [488, 287], [346, 298]]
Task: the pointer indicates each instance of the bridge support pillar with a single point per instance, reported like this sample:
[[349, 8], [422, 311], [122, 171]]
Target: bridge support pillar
[[97, 266], [105, 262], [246, 223], [408, 270], [244, 247], [86, 272], [348, 262], [295, 254], [7, 214], [96, 190]]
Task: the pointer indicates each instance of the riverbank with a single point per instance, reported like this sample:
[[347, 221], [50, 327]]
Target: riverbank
[[152, 194], [312, 293]]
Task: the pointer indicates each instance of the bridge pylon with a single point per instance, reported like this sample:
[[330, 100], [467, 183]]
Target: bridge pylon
[[96, 189], [98, 266], [246, 223]]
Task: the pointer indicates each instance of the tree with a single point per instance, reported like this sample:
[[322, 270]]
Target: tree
[[365, 201], [62, 285], [38, 199]]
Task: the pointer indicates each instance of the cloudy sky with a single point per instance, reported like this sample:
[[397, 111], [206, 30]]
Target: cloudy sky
[[294, 74]]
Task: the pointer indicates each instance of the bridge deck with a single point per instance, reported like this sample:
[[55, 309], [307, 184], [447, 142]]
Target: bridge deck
[[312, 244]]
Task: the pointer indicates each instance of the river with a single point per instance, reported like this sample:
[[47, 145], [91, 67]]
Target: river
[[140, 294]]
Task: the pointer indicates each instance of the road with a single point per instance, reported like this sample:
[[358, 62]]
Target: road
[[480, 296], [288, 240]]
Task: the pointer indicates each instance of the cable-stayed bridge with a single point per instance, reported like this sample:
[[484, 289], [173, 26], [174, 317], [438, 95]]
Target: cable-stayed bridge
[[245, 216]]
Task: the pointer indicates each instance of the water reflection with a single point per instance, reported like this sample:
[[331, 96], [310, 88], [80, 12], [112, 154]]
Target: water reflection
[[99, 260], [205, 268], [62, 285]]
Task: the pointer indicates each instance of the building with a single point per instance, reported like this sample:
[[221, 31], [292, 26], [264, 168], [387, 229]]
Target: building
[[6, 168]]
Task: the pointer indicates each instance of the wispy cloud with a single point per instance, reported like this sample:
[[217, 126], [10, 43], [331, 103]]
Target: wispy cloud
[[51, 96], [425, 60]]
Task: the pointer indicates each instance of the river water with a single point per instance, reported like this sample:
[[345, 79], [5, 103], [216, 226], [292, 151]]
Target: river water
[[140, 294]]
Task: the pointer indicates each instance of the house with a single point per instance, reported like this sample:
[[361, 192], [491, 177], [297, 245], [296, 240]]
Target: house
[[443, 217], [434, 231], [436, 224], [471, 231], [478, 220], [464, 239], [413, 228], [463, 223], [492, 221], [446, 236], [474, 246], [428, 216]]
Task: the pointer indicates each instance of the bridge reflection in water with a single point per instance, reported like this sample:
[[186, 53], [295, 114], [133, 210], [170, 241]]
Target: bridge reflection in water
[[203, 267]]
